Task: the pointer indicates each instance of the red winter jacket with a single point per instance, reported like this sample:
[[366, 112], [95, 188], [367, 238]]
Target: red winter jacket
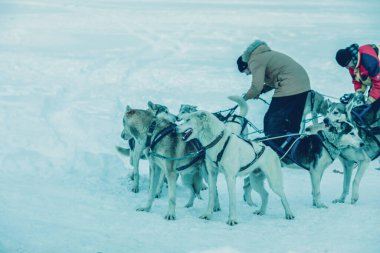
[[367, 71]]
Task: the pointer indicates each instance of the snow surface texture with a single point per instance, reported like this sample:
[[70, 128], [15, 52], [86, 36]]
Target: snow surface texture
[[68, 69]]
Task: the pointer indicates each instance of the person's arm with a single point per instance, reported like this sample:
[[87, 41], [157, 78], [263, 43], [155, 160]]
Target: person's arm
[[358, 87], [371, 65], [258, 74]]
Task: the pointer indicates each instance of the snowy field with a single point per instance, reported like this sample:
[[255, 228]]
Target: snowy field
[[68, 69]]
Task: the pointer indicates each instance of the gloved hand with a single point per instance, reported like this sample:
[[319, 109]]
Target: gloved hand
[[346, 98]]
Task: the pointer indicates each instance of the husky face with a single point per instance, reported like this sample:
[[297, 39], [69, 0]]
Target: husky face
[[192, 125], [161, 111], [185, 110]]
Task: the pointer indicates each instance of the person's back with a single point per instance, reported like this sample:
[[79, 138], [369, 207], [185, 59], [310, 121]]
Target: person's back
[[274, 70], [282, 73]]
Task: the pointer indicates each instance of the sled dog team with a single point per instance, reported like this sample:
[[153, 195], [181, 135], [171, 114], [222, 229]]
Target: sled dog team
[[197, 145]]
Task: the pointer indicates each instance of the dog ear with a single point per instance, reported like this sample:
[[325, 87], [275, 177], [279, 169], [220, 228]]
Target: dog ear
[[128, 109], [151, 105], [202, 116]]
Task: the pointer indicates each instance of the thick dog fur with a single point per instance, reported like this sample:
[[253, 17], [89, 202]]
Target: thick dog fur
[[313, 154], [349, 158], [137, 122], [237, 153], [315, 104]]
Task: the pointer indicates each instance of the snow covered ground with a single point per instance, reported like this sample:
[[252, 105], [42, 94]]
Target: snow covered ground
[[68, 69]]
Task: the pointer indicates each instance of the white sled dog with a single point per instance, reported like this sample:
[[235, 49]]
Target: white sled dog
[[234, 157]]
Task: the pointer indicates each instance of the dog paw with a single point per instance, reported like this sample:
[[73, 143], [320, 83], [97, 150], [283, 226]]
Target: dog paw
[[232, 222], [289, 216], [188, 205], [321, 205], [135, 189], [217, 209], [354, 200], [249, 201], [170, 217], [205, 217], [335, 201], [259, 212]]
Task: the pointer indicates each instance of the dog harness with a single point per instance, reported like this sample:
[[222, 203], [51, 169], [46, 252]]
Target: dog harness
[[198, 155], [257, 156]]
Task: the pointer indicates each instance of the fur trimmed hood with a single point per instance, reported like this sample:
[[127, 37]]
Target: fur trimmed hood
[[252, 47]]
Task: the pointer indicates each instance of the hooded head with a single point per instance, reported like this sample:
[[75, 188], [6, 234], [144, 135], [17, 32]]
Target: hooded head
[[242, 61]]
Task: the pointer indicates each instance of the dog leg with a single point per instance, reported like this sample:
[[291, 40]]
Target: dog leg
[[276, 185], [171, 176], [212, 173], [189, 181], [247, 192], [347, 168], [257, 183], [362, 167], [231, 186], [136, 159], [160, 184], [316, 182], [155, 172]]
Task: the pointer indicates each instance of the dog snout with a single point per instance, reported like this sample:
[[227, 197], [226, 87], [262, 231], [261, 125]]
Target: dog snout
[[326, 121], [361, 144]]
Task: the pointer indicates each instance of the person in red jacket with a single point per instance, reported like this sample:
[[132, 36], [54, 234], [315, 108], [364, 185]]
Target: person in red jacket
[[363, 64]]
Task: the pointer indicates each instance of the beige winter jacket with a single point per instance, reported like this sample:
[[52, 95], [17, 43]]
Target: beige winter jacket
[[278, 71]]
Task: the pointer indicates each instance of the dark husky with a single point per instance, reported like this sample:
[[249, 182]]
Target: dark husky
[[316, 152], [369, 131]]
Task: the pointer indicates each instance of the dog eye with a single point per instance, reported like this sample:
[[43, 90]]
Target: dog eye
[[335, 113]]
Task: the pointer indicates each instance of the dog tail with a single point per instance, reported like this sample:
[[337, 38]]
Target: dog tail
[[241, 103]]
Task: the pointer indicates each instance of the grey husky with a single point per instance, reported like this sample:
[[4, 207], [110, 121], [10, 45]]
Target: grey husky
[[137, 146], [166, 152], [371, 150]]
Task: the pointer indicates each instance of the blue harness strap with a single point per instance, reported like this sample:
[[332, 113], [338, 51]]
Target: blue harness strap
[[359, 115], [292, 142]]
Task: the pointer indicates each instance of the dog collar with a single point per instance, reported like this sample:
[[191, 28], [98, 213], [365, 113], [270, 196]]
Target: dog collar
[[215, 141]]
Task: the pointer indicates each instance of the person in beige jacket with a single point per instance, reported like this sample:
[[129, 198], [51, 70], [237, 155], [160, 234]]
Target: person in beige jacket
[[274, 70]]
